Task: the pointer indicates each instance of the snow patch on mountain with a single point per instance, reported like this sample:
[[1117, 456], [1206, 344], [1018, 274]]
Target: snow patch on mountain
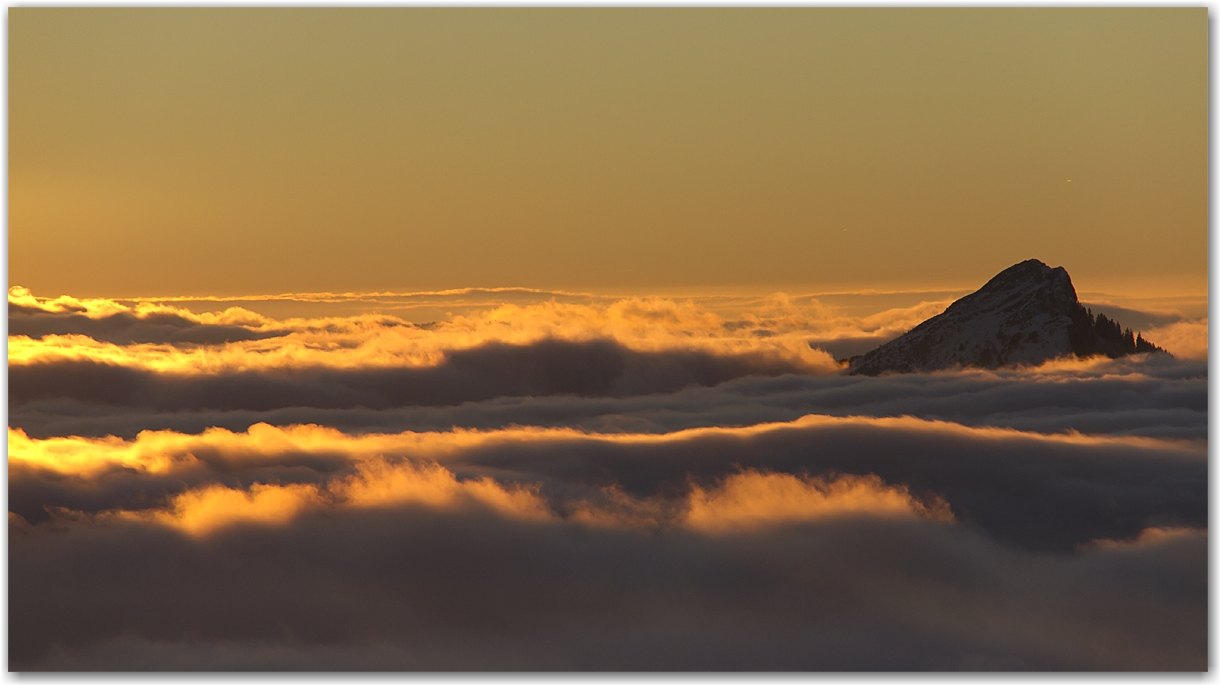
[[1026, 314]]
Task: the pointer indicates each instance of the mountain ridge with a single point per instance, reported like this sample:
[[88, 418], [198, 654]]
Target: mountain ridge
[[1026, 314]]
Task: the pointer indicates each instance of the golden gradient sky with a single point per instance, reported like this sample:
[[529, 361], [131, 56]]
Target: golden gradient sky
[[226, 151]]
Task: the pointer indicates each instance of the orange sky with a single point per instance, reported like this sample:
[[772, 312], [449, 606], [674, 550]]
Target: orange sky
[[226, 151]]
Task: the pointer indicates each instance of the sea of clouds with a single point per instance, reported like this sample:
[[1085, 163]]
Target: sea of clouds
[[551, 481]]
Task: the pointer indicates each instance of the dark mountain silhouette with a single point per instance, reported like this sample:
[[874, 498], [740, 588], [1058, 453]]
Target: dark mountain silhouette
[[1026, 314]]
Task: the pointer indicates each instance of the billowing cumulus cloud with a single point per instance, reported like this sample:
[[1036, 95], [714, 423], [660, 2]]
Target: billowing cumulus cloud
[[564, 481], [109, 332], [1070, 488], [1186, 339]]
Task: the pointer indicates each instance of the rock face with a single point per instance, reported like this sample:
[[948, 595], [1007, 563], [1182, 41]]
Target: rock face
[[1027, 314]]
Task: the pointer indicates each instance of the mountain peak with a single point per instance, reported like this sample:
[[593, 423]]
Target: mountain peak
[[1033, 272], [1026, 314]]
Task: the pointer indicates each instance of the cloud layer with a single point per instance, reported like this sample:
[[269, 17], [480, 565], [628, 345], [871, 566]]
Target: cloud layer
[[628, 484], [414, 588]]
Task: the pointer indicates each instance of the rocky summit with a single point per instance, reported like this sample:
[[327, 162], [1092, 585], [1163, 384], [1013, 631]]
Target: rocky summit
[[1026, 314]]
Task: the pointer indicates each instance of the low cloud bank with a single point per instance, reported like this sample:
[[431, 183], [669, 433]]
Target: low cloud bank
[[1150, 396], [549, 367], [1050, 493], [412, 588], [123, 328]]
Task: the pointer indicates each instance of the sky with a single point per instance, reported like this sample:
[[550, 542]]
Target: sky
[[237, 151], [520, 340]]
